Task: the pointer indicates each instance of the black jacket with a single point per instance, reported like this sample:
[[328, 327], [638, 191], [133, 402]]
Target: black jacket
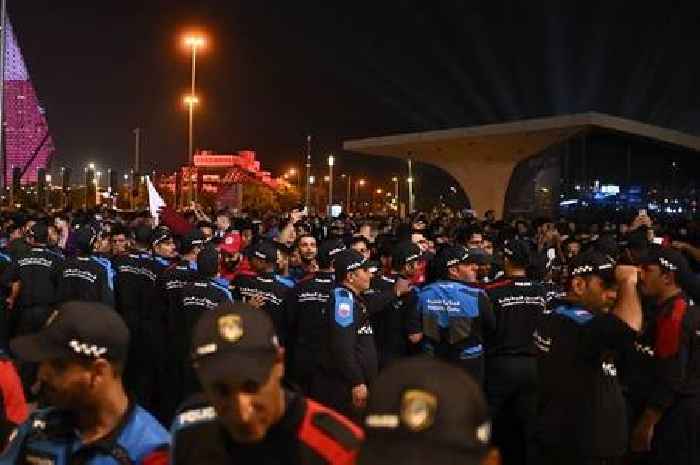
[[274, 294], [88, 279]]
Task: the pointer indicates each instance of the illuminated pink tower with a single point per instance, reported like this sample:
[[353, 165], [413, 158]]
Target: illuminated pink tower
[[28, 144]]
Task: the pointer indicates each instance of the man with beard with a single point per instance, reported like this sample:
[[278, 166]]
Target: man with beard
[[664, 385], [581, 411], [307, 318], [306, 245], [89, 419], [249, 415]]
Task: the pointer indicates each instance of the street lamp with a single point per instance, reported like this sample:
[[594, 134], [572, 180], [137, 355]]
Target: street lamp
[[396, 188], [347, 200], [193, 42], [331, 162]]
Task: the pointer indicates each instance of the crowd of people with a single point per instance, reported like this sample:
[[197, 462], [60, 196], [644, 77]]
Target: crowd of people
[[221, 337]]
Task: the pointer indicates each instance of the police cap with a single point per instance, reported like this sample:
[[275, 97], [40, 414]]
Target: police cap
[[76, 329], [404, 253], [194, 238], [328, 250], [666, 258], [351, 260], [420, 411], [235, 342]]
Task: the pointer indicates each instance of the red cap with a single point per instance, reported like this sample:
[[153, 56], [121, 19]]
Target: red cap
[[231, 243]]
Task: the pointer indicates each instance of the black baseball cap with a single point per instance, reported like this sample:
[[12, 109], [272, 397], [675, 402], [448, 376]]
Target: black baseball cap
[[350, 260], [517, 252], [264, 250], [405, 252], [451, 255], [666, 258], [592, 262], [422, 410], [478, 256], [328, 250], [161, 234], [193, 238], [85, 238], [208, 261], [39, 232], [76, 329], [234, 341]]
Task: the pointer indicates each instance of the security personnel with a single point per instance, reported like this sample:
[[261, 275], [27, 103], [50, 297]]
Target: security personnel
[[33, 279], [81, 352], [133, 280], [307, 318], [511, 364], [581, 411], [86, 277], [424, 411], [397, 324], [249, 415], [201, 294], [163, 256], [350, 364], [665, 393], [265, 285], [456, 315]]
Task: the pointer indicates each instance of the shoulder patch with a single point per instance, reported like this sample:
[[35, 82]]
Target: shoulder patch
[[577, 314], [333, 428], [343, 308]]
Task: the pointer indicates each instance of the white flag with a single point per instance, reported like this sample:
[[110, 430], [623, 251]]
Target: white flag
[[155, 201]]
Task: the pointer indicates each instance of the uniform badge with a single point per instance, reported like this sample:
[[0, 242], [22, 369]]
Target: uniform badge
[[418, 409], [230, 327]]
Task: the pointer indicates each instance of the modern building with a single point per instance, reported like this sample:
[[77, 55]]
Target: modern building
[[523, 167], [27, 141]]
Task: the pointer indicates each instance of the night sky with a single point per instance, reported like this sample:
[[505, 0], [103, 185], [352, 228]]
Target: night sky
[[276, 71]]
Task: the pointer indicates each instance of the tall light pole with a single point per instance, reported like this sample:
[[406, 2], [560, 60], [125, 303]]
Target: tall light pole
[[410, 186], [396, 188], [309, 180], [194, 43], [331, 162], [347, 199], [190, 101]]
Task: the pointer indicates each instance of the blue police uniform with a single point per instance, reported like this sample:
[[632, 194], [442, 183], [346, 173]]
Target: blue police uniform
[[47, 437], [455, 316]]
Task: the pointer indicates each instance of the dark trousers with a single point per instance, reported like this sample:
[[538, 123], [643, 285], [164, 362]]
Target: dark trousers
[[28, 320], [676, 437], [511, 391]]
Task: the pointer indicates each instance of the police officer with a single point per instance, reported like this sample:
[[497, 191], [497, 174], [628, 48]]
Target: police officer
[[455, 314], [33, 279], [81, 353], [351, 362], [581, 411], [265, 286], [511, 366], [397, 323], [86, 277], [424, 411], [199, 295], [307, 318], [164, 253], [249, 415], [133, 280], [665, 399]]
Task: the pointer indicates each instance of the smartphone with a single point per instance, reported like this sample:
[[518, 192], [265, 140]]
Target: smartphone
[[658, 240], [642, 212]]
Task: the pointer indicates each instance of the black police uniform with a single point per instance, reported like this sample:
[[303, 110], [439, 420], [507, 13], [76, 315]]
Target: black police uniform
[[455, 317], [38, 272], [308, 433], [273, 292], [393, 318], [197, 296], [663, 373], [581, 410], [87, 278], [131, 282], [352, 356], [307, 323], [511, 365]]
